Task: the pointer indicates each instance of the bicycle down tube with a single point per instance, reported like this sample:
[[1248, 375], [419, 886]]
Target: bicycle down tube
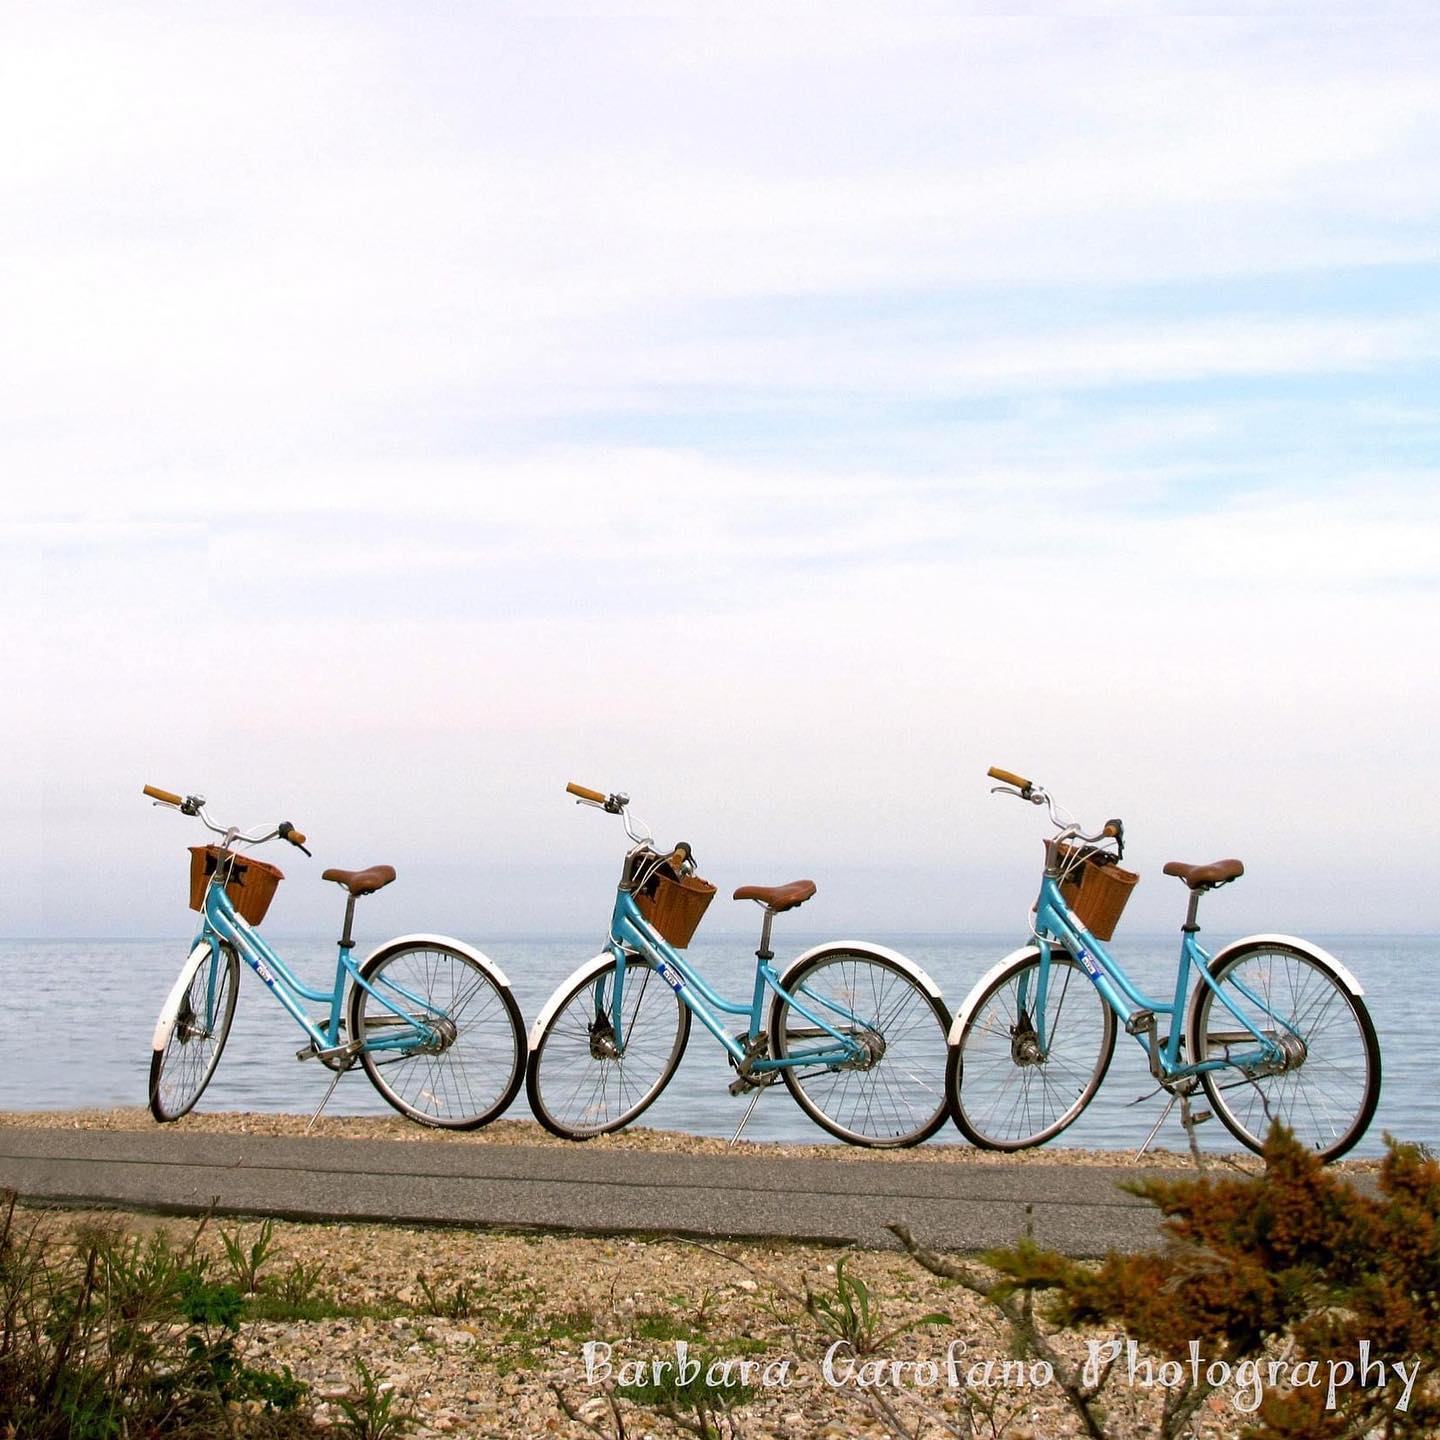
[[1054, 918], [628, 928], [282, 982]]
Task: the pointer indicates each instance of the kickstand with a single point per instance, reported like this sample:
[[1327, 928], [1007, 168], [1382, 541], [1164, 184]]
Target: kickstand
[[329, 1091], [745, 1119], [1155, 1129]]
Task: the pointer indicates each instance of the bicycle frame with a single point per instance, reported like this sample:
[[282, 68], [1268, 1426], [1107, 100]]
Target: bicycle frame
[[631, 932], [221, 921], [1056, 925]]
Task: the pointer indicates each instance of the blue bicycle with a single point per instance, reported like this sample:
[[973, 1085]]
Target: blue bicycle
[[855, 1031], [431, 1021], [1275, 1028]]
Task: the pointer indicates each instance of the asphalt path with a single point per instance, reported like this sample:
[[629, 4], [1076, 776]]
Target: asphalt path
[[1078, 1209]]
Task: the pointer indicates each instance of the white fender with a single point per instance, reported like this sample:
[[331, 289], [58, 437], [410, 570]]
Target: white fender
[[588, 971], [1305, 947], [450, 943], [972, 1000], [171, 1008], [865, 947]]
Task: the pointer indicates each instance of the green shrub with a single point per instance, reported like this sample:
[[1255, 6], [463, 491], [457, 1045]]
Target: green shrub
[[111, 1336], [372, 1410], [1296, 1261], [852, 1313]]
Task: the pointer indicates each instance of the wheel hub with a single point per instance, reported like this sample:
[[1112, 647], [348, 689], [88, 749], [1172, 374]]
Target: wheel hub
[[188, 1028], [872, 1049], [602, 1041], [1025, 1043], [1287, 1052], [1294, 1050], [446, 1034]]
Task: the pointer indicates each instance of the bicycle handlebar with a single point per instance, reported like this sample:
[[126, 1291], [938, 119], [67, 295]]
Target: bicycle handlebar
[[1008, 777], [1029, 790], [635, 828], [195, 805], [611, 804]]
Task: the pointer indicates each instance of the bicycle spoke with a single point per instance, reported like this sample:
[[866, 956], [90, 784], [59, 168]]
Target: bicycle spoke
[[1327, 1084], [465, 1060], [1008, 1092], [580, 1082], [888, 1091], [181, 1070]]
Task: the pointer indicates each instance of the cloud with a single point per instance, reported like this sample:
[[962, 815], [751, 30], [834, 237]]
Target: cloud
[[785, 417]]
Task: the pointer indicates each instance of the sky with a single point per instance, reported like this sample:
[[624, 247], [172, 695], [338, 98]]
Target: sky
[[778, 417]]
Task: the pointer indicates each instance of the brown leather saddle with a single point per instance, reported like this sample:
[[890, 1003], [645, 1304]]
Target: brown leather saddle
[[362, 882], [1206, 877], [778, 897]]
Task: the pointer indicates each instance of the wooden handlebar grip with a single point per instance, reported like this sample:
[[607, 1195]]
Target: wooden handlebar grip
[[295, 837], [592, 795], [1006, 777], [1110, 832], [155, 793]]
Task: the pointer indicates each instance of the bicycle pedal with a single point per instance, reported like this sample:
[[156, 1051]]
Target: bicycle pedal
[[1140, 1022], [1199, 1117]]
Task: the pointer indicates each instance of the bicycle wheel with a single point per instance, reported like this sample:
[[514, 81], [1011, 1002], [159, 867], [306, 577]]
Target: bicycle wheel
[[1006, 1092], [181, 1068], [1327, 1087], [473, 1067], [579, 1082], [894, 1093]]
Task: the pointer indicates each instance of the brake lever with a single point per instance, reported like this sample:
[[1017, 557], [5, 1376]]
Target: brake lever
[[1011, 790]]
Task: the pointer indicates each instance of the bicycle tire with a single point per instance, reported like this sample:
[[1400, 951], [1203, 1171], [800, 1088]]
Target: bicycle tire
[[577, 1086], [474, 1072], [896, 1097], [1003, 1093], [1328, 1097], [181, 1068]]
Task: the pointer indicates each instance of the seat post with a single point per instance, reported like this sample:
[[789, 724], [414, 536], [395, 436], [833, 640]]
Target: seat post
[[765, 952], [346, 942], [1191, 926]]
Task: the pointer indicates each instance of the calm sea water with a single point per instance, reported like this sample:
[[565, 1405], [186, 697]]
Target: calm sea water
[[87, 1009]]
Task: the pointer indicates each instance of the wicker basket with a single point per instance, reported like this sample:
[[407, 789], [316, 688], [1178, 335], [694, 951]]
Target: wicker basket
[[674, 905], [250, 883], [1097, 893]]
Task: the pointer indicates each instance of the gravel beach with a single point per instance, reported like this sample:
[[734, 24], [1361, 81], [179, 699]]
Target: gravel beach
[[528, 1132], [483, 1332]]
